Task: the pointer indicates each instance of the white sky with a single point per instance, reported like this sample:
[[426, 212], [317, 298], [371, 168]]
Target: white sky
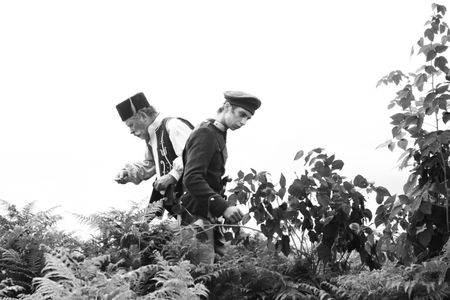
[[314, 64]]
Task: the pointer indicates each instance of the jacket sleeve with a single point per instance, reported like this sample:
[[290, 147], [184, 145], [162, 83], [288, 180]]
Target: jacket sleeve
[[141, 170], [199, 151]]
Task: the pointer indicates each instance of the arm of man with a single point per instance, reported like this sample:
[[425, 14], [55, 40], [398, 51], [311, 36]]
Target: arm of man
[[138, 171], [199, 151]]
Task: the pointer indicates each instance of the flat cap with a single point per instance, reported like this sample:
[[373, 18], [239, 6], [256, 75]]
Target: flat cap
[[129, 107], [244, 100]]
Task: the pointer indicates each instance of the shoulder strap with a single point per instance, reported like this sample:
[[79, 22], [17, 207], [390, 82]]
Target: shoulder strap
[[189, 124]]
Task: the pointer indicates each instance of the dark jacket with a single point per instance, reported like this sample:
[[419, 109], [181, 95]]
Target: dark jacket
[[204, 158]]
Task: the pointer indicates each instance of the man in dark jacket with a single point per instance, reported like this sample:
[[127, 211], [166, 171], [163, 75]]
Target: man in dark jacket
[[204, 157]]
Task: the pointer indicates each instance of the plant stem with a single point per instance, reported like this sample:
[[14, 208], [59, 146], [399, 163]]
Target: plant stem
[[444, 165]]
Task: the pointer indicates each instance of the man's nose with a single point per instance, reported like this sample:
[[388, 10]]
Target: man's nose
[[243, 121]]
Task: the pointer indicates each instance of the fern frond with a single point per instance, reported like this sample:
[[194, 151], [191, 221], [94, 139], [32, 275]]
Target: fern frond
[[321, 294], [5, 203], [92, 221], [291, 293], [35, 261], [47, 289], [149, 213], [28, 208], [56, 269], [142, 280], [8, 288], [175, 282], [333, 290]]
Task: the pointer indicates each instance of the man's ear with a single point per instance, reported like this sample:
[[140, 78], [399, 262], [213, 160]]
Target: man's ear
[[227, 106]]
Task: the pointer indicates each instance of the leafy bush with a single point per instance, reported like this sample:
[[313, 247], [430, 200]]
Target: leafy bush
[[419, 130]]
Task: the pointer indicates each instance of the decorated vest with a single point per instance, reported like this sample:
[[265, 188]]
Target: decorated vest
[[166, 153], [166, 156]]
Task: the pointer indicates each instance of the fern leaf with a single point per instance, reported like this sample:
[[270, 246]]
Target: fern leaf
[[47, 289], [56, 269]]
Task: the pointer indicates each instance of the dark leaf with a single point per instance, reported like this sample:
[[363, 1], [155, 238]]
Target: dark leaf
[[337, 165], [228, 236], [327, 220], [430, 70], [445, 116], [346, 208], [381, 210], [384, 144], [282, 181], [307, 157], [429, 99], [317, 150], [429, 34], [397, 118], [242, 197], [379, 198], [379, 219], [348, 186], [420, 42], [360, 181], [324, 252], [405, 103], [330, 159], [324, 171], [402, 143], [281, 192], [391, 146], [299, 155], [424, 237], [245, 219], [240, 174], [431, 54], [440, 49], [442, 89], [396, 130], [382, 190], [441, 9], [420, 80], [232, 199], [440, 62], [410, 183], [368, 214], [285, 246], [323, 200], [442, 103], [248, 178], [290, 215]]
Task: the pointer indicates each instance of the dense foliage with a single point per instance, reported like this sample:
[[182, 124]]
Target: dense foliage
[[313, 238]]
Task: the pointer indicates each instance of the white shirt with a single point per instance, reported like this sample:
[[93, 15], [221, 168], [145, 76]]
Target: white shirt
[[178, 134]]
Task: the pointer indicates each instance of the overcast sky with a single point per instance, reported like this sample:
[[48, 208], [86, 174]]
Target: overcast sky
[[64, 65]]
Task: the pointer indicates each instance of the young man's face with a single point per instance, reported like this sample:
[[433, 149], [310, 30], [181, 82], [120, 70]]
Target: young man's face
[[138, 126], [236, 117]]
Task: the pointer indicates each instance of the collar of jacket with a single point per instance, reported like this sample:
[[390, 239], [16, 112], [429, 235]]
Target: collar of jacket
[[220, 126], [155, 125]]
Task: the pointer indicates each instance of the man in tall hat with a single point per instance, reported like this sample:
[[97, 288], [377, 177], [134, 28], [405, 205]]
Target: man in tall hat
[[165, 138], [204, 157]]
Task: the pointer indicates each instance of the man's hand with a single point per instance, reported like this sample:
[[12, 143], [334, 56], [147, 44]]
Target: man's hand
[[122, 177], [233, 214], [162, 183]]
